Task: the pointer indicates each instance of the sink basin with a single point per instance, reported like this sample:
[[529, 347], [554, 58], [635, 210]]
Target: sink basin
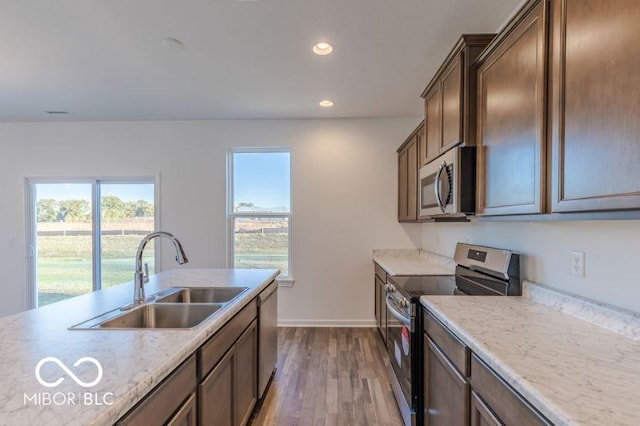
[[202, 295], [162, 316]]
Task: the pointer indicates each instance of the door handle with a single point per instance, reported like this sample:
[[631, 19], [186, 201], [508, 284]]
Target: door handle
[[437, 187]]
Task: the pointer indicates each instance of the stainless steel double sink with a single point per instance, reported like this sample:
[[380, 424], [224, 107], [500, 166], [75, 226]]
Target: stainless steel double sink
[[174, 308]]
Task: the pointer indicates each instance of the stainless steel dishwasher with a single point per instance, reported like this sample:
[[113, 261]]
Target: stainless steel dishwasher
[[267, 336]]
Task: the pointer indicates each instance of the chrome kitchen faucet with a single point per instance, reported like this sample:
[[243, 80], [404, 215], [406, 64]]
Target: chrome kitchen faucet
[[140, 277]]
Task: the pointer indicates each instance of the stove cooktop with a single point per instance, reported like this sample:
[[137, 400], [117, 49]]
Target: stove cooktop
[[425, 285]]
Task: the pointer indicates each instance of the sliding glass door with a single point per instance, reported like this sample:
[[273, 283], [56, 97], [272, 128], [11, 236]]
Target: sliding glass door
[[84, 234]]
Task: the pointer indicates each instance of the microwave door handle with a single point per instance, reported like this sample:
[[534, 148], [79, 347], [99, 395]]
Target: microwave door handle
[[437, 186]]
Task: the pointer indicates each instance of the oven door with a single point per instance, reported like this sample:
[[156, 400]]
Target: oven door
[[399, 347]]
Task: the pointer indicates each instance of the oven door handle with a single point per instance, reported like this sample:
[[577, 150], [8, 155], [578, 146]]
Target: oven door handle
[[399, 316]]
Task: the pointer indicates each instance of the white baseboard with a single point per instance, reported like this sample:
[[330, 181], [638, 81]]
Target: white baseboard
[[326, 323]]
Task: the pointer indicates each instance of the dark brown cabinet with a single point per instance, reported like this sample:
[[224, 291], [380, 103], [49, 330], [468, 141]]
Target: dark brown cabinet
[[481, 415], [246, 379], [228, 391], [380, 307], [450, 98], [459, 389], [495, 403], [216, 394], [445, 365], [511, 117], [446, 390], [218, 384], [186, 415], [408, 176], [595, 60], [171, 402]]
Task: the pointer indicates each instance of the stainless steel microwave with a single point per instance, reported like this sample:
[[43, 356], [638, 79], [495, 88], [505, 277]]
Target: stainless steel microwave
[[447, 185]]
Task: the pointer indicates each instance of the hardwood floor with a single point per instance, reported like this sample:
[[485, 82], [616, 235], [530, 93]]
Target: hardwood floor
[[329, 376]]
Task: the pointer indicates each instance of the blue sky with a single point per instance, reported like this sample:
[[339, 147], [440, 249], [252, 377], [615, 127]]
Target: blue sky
[[262, 178], [82, 191]]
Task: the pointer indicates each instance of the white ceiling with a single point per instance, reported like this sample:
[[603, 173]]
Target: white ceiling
[[105, 59]]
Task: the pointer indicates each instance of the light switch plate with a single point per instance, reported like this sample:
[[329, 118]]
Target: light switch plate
[[577, 263]]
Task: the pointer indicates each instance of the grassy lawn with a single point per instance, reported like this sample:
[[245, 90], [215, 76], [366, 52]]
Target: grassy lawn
[[65, 268], [64, 262]]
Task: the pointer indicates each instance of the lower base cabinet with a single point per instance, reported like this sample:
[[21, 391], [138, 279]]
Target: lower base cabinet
[[186, 415], [481, 414], [447, 391], [216, 386], [226, 397], [460, 389], [172, 402], [495, 403]]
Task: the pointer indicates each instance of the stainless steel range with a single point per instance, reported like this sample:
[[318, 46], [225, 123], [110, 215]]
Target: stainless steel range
[[480, 271]]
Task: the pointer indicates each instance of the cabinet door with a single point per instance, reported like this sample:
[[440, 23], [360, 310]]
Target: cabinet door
[[595, 102], [452, 104], [511, 121], [186, 415], [509, 406], [216, 400], [481, 414], [246, 374], [376, 301], [383, 310], [412, 180], [446, 390], [433, 122], [167, 398], [402, 185], [422, 146]]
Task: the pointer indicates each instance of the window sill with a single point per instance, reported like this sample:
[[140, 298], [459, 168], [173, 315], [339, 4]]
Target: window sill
[[285, 281]]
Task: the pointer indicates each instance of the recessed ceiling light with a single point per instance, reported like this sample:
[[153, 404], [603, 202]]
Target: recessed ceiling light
[[326, 103], [57, 112], [322, 48]]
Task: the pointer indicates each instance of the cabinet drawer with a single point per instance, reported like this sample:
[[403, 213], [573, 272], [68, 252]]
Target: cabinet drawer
[[165, 399], [453, 348], [381, 273], [215, 348], [504, 402]]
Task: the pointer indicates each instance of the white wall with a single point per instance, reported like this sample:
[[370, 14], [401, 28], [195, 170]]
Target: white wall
[[612, 251], [344, 196]]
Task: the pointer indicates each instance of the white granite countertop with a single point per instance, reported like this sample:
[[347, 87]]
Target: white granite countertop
[[573, 371], [410, 262], [133, 361]]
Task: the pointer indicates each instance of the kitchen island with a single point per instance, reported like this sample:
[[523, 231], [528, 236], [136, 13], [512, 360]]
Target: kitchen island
[[133, 362]]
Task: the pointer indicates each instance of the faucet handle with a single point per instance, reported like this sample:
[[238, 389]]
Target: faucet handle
[[145, 277]]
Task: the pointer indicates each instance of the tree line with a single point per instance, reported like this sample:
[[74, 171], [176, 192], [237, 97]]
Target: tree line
[[111, 208]]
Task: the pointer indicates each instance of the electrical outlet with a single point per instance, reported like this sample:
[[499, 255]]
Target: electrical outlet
[[577, 263]]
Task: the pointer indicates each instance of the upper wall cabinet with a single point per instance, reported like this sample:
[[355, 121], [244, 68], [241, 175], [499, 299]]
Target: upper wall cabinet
[[595, 105], [408, 154], [511, 117], [450, 98]]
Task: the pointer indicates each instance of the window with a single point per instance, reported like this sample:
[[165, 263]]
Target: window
[[83, 234], [260, 209]]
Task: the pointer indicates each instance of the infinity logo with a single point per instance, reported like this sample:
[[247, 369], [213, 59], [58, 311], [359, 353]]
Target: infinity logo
[[68, 372]]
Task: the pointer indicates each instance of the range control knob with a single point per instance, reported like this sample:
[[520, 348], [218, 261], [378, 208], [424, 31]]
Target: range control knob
[[390, 288]]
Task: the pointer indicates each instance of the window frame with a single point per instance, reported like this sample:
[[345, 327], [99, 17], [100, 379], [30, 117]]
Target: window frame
[[95, 182], [287, 280]]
